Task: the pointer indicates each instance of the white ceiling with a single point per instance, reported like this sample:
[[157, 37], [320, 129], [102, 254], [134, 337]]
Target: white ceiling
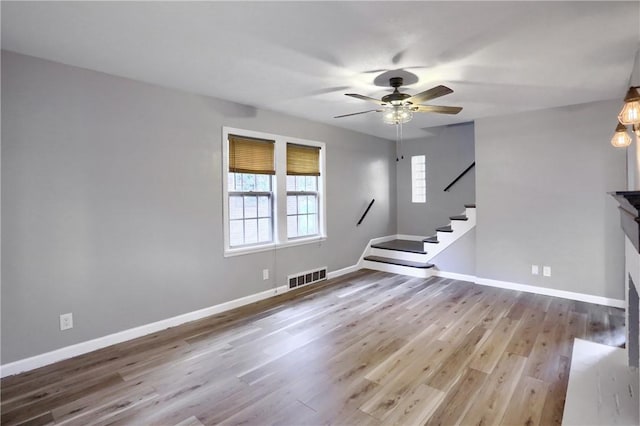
[[300, 58]]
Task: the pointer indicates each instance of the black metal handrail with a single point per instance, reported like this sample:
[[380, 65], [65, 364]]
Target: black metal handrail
[[366, 211], [460, 175]]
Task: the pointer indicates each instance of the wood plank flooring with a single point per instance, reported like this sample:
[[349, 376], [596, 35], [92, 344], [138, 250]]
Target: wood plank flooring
[[368, 348]]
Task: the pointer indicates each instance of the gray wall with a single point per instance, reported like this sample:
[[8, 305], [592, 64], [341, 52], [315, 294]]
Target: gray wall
[[449, 150], [112, 203], [542, 182], [459, 257]]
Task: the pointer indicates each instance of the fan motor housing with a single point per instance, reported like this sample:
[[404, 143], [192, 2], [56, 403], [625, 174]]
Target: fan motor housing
[[396, 97]]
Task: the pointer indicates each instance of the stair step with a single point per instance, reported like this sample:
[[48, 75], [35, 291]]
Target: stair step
[[402, 245], [399, 262], [470, 206], [432, 239], [459, 217], [444, 229]]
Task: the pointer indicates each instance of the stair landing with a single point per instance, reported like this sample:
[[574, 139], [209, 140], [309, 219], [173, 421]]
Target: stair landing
[[402, 245]]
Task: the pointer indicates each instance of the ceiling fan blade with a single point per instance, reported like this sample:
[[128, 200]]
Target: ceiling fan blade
[[438, 109], [356, 113], [365, 98], [434, 92]]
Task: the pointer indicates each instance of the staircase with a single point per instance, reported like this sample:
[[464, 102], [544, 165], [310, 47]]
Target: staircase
[[412, 256]]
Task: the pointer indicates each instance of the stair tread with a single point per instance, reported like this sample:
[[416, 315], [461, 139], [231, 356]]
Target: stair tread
[[402, 245], [399, 262], [459, 217], [432, 239], [444, 229], [470, 206]]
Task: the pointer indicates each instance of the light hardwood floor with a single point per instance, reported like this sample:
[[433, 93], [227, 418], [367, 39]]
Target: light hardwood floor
[[367, 348]]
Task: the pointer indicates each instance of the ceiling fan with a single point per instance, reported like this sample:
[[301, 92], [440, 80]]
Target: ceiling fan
[[399, 107]]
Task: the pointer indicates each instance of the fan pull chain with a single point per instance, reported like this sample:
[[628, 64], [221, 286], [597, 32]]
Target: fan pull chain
[[401, 154], [397, 141]]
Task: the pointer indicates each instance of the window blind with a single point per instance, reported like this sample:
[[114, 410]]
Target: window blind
[[248, 155], [303, 160]]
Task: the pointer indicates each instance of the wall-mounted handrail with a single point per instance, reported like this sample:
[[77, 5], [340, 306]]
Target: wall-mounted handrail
[[366, 211], [460, 176]]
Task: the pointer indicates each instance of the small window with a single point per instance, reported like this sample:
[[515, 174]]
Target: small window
[[418, 179]]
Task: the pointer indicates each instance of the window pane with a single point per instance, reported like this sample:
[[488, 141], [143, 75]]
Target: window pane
[[300, 183], [263, 183], [248, 182], [236, 234], [302, 225], [312, 204], [311, 183], [250, 206], [302, 204], [250, 231], [312, 224], [292, 204], [235, 207], [291, 183], [264, 209], [292, 226], [264, 230]]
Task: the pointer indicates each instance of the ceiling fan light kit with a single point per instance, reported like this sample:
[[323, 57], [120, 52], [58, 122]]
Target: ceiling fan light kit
[[396, 114]]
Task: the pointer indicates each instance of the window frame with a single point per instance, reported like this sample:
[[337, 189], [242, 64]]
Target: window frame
[[279, 191]]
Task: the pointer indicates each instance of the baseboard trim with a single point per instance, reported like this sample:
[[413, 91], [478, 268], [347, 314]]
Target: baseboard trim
[[343, 271], [67, 352], [581, 297], [454, 276]]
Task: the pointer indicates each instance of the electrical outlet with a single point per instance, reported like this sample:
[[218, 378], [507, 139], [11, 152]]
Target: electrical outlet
[[66, 321], [546, 271], [535, 270], [265, 274]]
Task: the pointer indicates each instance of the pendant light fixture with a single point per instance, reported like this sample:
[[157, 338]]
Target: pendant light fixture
[[630, 113], [621, 138]]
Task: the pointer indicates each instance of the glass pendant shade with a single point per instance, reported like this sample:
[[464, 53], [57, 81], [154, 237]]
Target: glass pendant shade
[[621, 138], [630, 113], [397, 114]]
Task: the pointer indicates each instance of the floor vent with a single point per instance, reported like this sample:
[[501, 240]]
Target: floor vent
[[307, 277]]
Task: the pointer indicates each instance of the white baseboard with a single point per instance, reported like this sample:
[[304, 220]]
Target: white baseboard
[[132, 333], [340, 272], [454, 276], [598, 300]]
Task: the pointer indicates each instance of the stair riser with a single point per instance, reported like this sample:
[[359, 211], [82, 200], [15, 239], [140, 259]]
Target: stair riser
[[397, 269], [395, 254], [471, 214]]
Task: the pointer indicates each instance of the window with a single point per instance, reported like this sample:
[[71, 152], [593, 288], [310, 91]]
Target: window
[[418, 179], [303, 169], [273, 191], [251, 165]]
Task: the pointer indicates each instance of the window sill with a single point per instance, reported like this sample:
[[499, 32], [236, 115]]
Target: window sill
[[273, 246]]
